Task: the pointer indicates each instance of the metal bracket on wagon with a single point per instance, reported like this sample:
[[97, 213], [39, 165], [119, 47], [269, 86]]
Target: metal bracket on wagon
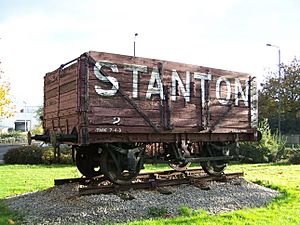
[[44, 137], [47, 137]]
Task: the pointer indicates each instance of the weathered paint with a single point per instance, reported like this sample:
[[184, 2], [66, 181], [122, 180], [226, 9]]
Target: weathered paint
[[202, 77], [240, 92], [155, 85], [106, 79], [218, 90], [177, 82], [152, 89], [116, 120], [135, 76], [108, 130]]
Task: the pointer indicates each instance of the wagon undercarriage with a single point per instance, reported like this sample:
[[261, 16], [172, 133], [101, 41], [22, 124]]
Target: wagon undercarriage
[[122, 162]]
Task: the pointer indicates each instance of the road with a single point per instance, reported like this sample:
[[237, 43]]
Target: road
[[4, 149]]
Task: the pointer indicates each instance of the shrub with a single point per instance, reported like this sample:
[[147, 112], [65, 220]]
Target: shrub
[[295, 158], [157, 211], [187, 211], [37, 130], [269, 149], [36, 155], [12, 137], [253, 153], [23, 155], [13, 134]]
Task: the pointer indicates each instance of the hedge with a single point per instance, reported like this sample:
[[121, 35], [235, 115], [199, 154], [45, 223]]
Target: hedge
[[36, 155]]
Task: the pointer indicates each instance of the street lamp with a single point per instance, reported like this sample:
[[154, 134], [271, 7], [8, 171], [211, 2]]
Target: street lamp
[[279, 81], [25, 104], [135, 35]]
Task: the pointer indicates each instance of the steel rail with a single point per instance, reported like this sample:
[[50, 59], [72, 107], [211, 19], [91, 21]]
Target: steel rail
[[156, 183], [142, 175], [147, 180]]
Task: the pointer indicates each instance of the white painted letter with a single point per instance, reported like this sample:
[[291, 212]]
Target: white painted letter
[[239, 92], [135, 76], [184, 91], [203, 77], [155, 90], [107, 79], [218, 89]]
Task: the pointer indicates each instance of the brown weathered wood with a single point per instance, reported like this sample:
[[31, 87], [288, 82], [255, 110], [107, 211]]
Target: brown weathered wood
[[71, 101]]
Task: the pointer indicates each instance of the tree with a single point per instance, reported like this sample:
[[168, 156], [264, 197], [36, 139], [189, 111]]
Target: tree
[[39, 114], [6, 106], [38, 129], [283, 96]]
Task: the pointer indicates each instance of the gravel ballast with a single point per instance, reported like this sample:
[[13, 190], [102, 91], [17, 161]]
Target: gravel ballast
[[62, 205]]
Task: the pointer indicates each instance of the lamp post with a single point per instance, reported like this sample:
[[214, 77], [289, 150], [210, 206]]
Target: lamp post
[[135, 35], [279, 81], [25, 109]]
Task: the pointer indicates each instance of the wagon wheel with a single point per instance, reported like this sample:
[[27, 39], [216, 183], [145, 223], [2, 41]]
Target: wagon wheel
[[180, 166], [177, 153], [87, 161], [121, 165], [215, 167]]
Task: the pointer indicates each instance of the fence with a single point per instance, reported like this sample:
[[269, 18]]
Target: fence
[[293, 139]]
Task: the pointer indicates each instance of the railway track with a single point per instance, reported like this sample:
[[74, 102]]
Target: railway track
[[147, 180]]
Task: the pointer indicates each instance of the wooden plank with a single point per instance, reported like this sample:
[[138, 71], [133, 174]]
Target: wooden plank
[[119, 102], [67, 112], [61, 113], [124, 121], [71, 86], [51, 93], [50, 108], [123, 112], [167, 65], [137, 129], [51, 101], [68, 96]]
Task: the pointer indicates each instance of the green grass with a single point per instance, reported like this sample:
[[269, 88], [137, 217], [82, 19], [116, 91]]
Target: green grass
[[283, 210], [17, 179]]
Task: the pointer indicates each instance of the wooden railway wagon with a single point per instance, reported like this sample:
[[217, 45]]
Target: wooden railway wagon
[[119, 112]]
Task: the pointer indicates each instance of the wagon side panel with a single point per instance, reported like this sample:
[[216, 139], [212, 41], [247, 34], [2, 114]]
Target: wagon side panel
[[145, 96], [60, 100]]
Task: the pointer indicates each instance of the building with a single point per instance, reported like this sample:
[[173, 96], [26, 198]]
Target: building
[[24, 120]]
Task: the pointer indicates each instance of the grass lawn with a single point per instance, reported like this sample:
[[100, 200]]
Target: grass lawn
[[17, 179]]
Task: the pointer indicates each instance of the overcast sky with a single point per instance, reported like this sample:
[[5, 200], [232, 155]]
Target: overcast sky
[[38, 36]]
